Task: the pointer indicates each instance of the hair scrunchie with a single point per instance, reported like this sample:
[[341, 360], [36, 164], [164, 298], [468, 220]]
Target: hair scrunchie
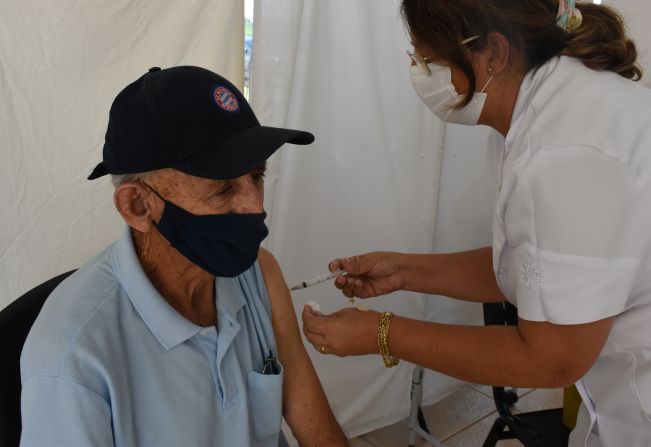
[[569, 17]]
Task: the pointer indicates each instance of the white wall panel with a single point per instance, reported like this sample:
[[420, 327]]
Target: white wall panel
[[61, 64]]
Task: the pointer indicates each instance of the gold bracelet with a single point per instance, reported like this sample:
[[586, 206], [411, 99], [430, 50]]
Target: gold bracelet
[[383, 340]]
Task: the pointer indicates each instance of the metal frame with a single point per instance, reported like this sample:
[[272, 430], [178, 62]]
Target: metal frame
[[416, 421]]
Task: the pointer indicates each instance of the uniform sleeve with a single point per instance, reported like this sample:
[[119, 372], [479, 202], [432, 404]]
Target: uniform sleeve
[[578, 224], [59, 412]]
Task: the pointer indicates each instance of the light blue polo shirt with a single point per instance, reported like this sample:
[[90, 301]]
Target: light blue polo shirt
[[110, 362]]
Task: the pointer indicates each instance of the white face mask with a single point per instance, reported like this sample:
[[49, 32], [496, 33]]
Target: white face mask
[[440, 96]]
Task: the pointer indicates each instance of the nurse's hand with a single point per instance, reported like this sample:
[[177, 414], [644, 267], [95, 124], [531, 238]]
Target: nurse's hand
[[369, 275], [345, 332]]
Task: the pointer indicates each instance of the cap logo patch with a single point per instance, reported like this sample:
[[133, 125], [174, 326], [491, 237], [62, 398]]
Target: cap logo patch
[[225, 99]]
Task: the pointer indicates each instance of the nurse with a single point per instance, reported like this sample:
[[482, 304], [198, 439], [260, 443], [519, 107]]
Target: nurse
[[572, 218]]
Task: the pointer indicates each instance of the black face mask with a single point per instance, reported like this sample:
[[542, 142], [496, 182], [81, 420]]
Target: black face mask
[[222, 244]]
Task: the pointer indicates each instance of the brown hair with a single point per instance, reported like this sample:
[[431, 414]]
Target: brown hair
[[601, 42], [530, 27]]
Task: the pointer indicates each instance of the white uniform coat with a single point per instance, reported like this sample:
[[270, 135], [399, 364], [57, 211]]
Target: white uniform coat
[[572, 231]]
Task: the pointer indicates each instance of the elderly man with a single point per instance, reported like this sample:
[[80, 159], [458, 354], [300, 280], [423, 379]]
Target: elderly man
[[181, 333]]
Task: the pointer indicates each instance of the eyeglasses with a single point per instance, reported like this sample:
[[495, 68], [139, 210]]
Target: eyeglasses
[[422, 61]]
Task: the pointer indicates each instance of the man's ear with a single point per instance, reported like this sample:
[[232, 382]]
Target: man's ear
[[137, 206], [499, 53]]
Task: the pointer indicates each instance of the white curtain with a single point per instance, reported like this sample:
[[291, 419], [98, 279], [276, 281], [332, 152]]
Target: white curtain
[[383, 174], [338, 68], [637, 14], [61, 64], [376, 178]]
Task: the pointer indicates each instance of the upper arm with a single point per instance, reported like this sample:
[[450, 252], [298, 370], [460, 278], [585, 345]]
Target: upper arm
[[58, 411], [284, 321], [570, 350], [305, 406], [577, 224]]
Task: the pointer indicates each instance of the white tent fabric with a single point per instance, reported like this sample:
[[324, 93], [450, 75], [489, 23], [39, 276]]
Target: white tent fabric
[[637, 14], [376, 178], [369, 182], [61, 64]]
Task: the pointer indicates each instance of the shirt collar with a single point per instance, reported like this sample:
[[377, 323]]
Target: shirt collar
[[167, 325], [529, 88], [231, 293]]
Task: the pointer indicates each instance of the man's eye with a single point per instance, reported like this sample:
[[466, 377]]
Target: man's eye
[[223, 190]]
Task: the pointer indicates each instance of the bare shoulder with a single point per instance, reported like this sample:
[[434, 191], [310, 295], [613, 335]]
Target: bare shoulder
[[283, 315], [273, 275], [268, 261]]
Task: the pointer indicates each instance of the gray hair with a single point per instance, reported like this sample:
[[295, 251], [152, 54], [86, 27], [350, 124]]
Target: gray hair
[[118, 179]]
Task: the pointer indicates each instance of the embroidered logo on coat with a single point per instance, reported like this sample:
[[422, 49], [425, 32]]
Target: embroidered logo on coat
[[532, 275], [225, 99]]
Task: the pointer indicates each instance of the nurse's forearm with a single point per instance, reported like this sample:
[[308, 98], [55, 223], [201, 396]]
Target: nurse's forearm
[[465, 275], [491, 355]]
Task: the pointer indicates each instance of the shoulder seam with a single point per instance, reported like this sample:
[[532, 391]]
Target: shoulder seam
[[83, 325], [626, 165], [67, 379]]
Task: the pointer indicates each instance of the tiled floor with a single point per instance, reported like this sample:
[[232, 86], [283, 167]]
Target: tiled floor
[[462, 419]]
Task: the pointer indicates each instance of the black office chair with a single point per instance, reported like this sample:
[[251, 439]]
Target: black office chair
[[543, 428], [15, 322]]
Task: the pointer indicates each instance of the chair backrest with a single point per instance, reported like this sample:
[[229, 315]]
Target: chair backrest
[[15, 322], [502, 314], [528, 428]]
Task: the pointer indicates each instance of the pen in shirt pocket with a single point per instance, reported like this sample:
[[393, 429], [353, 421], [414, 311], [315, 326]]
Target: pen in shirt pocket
[[270, 365]]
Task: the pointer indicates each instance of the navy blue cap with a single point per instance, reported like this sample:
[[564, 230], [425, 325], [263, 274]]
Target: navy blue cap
[[189, 119]]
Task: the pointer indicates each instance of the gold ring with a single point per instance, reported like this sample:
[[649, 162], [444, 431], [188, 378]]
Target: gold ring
[[322, 349]]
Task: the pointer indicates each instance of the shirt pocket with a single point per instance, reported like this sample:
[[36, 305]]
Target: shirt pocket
[[265, 402]]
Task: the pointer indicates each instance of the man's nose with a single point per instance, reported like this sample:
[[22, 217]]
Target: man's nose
[[249, 196]]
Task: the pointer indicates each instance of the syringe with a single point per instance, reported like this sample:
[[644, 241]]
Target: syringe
[[319, 279]]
